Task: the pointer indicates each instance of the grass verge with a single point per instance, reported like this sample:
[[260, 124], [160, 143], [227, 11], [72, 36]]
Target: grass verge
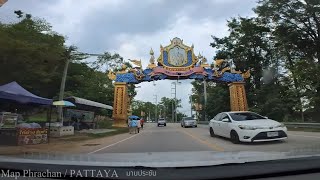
[[83, 136]]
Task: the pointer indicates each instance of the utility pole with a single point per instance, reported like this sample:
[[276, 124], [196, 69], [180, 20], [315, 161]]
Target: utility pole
[[175, 99], [190, 96], [63, 84], [175, 102], [172, 109], [174, 116], [205, 98], [156, 109], [172, 103]]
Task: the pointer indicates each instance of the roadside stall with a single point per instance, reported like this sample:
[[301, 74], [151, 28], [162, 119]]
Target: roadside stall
[[12, 132], [84, 116], [58, 129], [80, 119]]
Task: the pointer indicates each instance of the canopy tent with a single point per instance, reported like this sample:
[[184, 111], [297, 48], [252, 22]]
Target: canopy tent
[[13, 91], [80, 101]]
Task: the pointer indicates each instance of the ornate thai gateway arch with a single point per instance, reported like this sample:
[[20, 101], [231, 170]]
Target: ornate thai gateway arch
[[177, 61]]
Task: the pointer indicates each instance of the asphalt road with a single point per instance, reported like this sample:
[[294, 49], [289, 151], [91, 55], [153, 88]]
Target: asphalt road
[[174, 138]]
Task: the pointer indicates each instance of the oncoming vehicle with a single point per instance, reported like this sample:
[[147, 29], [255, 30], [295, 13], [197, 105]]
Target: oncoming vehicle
[[246, 127], [162, 122], [188, 122]]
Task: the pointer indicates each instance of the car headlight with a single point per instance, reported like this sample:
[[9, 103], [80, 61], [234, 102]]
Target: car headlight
[[280, 125], [247, 127]]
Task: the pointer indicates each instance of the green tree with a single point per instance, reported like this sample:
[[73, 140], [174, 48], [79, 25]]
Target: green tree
[[88, 83], [147, 107], [30, 56], [248, 45], [180, 116], [35, 56], [218, 99], [296, 32], [114, 62], [251, 45], [167, 104]]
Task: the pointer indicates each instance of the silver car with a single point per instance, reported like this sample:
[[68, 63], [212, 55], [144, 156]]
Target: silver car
[[162, 122], [188, 122]]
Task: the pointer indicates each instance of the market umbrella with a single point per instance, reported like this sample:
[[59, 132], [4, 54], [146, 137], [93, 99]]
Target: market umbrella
[[63, 103], [134, 117]]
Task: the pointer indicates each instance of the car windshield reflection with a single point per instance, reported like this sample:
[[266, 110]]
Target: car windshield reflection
[[245, 116]]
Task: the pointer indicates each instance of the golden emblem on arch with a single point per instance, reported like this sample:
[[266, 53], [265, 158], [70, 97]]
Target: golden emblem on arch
[[176, 55]]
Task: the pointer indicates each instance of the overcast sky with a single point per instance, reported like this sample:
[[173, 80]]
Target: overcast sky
[[132, 27]]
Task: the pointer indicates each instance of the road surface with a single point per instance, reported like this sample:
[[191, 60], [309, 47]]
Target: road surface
[[174, 138]]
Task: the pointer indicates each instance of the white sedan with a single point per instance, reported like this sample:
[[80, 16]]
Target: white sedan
[[246, 126]]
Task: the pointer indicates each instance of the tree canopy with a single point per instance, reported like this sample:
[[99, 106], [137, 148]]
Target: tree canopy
[[32, 54], [281, 45], [165, 109]]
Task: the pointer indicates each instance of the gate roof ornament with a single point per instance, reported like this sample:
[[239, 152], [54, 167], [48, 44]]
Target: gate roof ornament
[[178, 60], [177, 56]]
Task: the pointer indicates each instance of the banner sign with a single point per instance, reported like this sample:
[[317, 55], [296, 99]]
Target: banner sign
[[32, 136], [178, 71]]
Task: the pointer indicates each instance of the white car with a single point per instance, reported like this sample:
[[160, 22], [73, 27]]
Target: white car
[[162, 122], [246, 126], [188, 122]]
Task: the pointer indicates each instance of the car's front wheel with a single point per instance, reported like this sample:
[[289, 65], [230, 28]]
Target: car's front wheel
[[234, 137], [211, 132]]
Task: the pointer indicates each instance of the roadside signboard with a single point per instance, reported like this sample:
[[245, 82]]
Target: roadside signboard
[[32, 136]]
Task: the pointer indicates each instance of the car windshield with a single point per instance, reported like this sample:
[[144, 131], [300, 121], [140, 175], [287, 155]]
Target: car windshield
[[202, 76], [245, 116]]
